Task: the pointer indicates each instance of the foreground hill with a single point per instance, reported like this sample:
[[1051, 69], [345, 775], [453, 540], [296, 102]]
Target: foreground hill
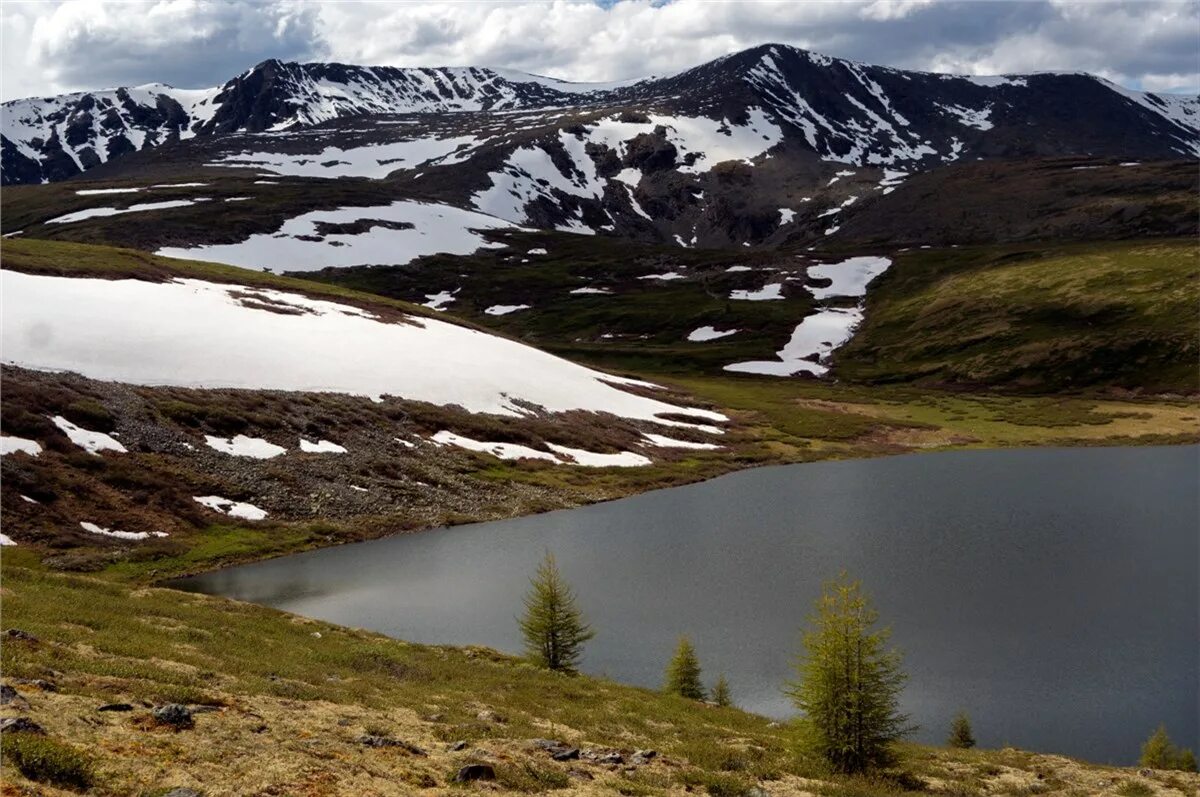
[[285, 705]]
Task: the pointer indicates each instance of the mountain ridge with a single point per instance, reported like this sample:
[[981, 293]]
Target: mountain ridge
[[842, 110]]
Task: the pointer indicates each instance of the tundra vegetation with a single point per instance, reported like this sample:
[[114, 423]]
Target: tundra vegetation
[[1159, 752], [287, 705]]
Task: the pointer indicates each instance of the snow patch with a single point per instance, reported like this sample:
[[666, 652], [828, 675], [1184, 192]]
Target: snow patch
[[100, 191], [300, 245], [11, 445], [709, 333], [505, 309], [374, 161], [243, 446], [498, 450], [122, 535], [592, 459], [812, 341], [661, 441], [321, 447], [766, 293], [80, 215], [232, 508], [850, 277], [204, 336], [91, 442]]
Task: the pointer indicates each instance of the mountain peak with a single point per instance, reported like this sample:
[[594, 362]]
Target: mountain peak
[[841, 110]]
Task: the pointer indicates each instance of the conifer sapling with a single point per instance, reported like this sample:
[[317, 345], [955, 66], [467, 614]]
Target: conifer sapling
[[553, 626], [683, 673]]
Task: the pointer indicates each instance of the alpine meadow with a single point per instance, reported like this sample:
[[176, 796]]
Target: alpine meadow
[[637, 397]]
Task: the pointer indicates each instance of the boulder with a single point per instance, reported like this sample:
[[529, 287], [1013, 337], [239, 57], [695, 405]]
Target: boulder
[[475, 772], [643, 757], [174, 714], [10, 697], [20, 725], [40, 683], [372, 740]]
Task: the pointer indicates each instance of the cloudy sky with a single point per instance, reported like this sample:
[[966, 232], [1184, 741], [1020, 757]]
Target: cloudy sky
[[51, 47]]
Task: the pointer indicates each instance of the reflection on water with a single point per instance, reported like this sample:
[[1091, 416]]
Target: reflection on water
[[1050, 593]]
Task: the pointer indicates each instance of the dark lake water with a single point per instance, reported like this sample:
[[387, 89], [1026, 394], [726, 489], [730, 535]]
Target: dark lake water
[[1053, 594]]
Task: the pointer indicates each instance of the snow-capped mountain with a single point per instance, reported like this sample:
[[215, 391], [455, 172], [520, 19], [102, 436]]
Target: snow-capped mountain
[[841, 110], [53, 138]]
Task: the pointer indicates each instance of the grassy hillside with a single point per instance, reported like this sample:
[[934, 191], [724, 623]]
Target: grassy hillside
[[1040, 319], [284, 705], [1034, 318]]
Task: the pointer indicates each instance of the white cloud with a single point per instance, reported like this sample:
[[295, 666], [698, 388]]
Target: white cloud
[[50, 47]]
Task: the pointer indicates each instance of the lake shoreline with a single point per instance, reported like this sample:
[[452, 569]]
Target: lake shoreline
[[925, 543], [255, 557]]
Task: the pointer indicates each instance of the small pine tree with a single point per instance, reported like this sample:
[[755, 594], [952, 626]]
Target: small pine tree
[[960, 732], [720, 692], [1186, 760], [553, 626], [849, 685], [1157, 751], [683, 672]]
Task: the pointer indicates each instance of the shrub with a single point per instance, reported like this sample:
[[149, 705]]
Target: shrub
[[90, 414], [530, 778], [45, 760]]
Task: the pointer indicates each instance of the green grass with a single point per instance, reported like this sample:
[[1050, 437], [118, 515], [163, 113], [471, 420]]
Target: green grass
[[1040, 319], [1035, 319], [46, 760], [294, 695]]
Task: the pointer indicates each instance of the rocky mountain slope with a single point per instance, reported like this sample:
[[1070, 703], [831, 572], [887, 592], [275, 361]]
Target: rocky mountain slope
[[840, 110]]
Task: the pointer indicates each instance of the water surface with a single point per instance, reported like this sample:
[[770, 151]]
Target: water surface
[[1053, 594]]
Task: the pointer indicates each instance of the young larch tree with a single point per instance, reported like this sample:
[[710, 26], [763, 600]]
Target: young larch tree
[[720, 692], [961, 735], [552, 625], [683, 672], [849, 684]]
